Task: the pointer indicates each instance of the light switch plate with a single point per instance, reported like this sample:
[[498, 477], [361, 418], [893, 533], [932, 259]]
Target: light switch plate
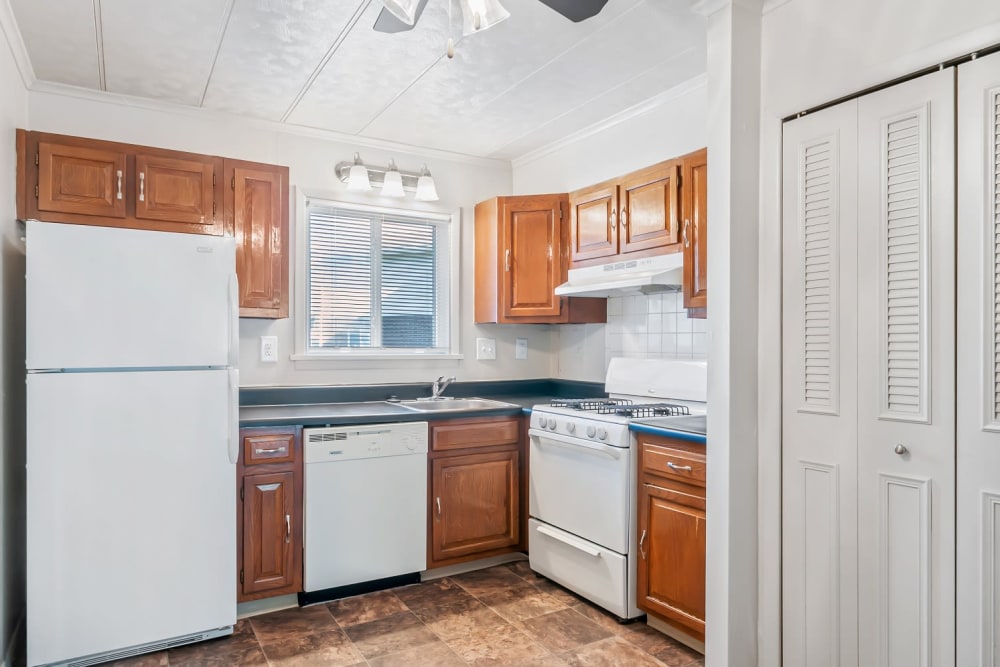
[[269, 348], [486, 349], [521, 348]]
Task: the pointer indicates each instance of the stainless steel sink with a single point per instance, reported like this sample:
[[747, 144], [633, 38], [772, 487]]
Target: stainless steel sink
[[456, 404]]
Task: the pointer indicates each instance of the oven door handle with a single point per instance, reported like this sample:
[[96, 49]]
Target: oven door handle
[[576, 443], [568, 541]]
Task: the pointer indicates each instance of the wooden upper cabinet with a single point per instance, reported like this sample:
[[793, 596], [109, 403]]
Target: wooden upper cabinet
[[256, 205], [649, 208], [593, 222], [694, 232], [178, 190], [521, 257], [92, 182], [635, 215], [81, 180]]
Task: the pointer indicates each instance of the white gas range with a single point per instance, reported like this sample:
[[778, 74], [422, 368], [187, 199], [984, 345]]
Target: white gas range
[[582, 476]]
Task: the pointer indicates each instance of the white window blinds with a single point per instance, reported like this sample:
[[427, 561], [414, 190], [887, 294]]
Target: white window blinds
[[375, 280]]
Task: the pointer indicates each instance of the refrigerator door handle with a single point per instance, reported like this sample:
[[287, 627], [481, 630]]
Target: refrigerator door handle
[[234, 415], [233, 308]]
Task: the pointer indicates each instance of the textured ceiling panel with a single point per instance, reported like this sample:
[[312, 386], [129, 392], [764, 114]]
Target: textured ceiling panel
[[371, 68], [161, 50], [61, 38], [271, 49]]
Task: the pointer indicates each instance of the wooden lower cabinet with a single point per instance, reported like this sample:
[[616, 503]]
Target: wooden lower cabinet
[[475, 498], [269, 513], [671, 565]]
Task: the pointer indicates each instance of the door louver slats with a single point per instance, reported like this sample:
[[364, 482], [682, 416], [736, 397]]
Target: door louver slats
[[995, 129]]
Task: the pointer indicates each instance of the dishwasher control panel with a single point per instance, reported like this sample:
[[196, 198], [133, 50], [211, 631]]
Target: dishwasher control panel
[[364, 441]]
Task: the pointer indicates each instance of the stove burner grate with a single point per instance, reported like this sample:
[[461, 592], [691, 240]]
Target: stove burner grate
[[645, 410], [601, 405]]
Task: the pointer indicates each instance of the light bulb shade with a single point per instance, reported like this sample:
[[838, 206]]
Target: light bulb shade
[[358, 178], [426, 191], [392, 186], [404, 10], [481, 14]]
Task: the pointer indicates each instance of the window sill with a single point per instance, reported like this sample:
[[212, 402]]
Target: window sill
[[348, 357]]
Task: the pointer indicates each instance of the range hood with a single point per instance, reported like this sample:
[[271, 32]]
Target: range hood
[[649, 275]]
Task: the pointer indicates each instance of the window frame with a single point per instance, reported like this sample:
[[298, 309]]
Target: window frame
[[452, 219]]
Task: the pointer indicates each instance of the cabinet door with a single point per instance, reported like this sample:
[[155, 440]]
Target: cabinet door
[[694, 230], [257, 210], [177, 190], [649, 208], [532, 265], [594, 222], [269, 554], [82, 178], [474, 504], [671, 566]]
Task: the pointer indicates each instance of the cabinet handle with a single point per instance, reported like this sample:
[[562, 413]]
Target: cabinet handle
[[271, 450], [624, 217], [506, 261], [288, 528], [119, 195], [142, 186], [674, 466], [641, 540], [684, 233], [438, 499], [613, 220]]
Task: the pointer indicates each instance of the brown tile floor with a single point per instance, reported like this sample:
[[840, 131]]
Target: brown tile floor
[[504, 615]]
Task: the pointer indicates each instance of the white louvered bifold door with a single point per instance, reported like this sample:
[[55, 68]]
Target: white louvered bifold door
[[978, 526], [819, 442], [906, 373]]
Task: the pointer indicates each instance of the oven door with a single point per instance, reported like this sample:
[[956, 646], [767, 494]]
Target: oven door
[[581, 487]]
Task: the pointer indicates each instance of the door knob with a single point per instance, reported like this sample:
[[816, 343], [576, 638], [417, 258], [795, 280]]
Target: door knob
[[900, 449]]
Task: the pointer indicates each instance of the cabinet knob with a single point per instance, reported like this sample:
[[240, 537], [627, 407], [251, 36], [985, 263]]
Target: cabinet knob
[[438, 499], [119, 193], [624, 217], [684, 233], [900, 449], [613, 220], [641, 540], [506, 261], [288, 528]]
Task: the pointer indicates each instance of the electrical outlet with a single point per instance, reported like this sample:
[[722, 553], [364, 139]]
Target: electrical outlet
[[521, 348], [486, 349], [269, 348]]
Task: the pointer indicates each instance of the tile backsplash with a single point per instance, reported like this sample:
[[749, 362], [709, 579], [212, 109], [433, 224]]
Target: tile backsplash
[[654, 327]]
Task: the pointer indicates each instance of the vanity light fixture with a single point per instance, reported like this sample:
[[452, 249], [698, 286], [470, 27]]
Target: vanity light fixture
[[357, 178], [426, 190], [481, 14], [390, 181]]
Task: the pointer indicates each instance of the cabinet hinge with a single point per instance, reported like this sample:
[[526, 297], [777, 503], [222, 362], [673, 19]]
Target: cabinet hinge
[[213, 178], [679, 179], [560, 212], [36, 192], [213, 208], [36, 158], [241, 576], [241, 493], [233, 184]]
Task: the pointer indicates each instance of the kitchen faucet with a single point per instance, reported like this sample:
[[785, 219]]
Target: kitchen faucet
[[440, 385]]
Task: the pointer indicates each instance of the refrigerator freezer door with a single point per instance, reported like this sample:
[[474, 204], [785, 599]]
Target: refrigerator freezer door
[[131, 510], [99, 297]]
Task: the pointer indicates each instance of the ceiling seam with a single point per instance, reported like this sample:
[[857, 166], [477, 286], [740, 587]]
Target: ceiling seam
[[595, 97], [326, 58], [102, 73], [218, 50], [423, 73]]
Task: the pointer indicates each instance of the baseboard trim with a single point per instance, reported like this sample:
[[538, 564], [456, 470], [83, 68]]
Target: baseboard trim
[[469, 566], [14, 642], [675, 633]]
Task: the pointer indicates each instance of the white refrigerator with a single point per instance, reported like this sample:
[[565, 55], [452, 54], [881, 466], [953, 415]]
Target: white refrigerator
[[132, 436]]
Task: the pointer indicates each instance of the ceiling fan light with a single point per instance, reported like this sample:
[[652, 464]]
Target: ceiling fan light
[[426, 190], [392, 186], [358, 177], [404, 10], [481, 14]]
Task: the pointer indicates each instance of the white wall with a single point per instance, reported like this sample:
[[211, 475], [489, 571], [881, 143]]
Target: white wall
[[311, 160], [814, 51], [13, 113], [673, 126]]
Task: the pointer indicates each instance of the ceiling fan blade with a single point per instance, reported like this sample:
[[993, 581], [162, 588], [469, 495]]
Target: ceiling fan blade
[[576, 10], [387, 22]]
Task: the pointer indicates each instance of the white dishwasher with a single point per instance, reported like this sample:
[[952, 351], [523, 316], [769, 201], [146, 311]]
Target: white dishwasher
[[365, 504]]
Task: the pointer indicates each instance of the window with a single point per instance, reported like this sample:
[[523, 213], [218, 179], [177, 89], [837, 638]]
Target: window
[[378, 281]]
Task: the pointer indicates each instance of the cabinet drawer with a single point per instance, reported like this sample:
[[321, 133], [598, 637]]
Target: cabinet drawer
[[673, 463], [268, 448], [463, 433]]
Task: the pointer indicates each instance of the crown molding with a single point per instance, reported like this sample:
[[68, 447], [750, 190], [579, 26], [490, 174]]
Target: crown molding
[[261, 124], [8, 26], [634, 111]]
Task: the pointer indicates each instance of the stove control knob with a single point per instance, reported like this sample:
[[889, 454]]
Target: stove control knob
[[603, 434], [570, 427], [591, 431], [552, 424], [543, 422]]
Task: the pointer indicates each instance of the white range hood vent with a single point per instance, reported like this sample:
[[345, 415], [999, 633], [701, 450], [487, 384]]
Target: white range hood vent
[[649, 275]]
